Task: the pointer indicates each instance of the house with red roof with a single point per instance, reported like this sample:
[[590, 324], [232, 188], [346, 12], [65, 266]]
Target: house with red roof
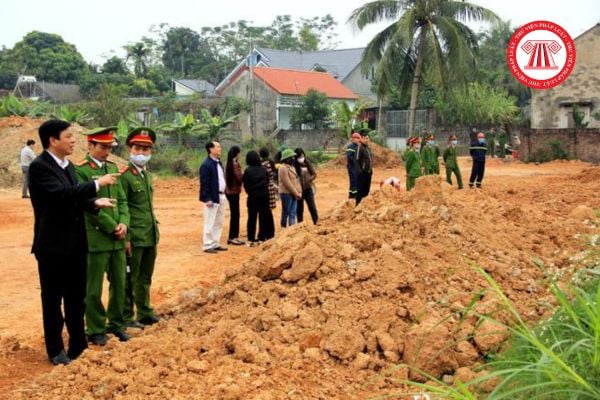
[[275, 92]]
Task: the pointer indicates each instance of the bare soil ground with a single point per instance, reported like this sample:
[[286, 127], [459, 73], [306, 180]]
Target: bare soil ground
[[320, 311]]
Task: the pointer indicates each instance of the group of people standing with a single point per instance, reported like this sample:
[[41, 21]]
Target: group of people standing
[[290, 179], [418, 161], [90, 220]]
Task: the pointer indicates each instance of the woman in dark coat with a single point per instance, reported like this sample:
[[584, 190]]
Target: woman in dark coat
[[233, 188], [256, 185]]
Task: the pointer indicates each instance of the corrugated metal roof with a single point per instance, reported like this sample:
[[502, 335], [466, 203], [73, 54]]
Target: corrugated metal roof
[[197, 85]]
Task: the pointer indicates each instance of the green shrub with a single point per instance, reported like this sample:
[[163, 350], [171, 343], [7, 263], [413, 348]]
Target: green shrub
[[553, 150]]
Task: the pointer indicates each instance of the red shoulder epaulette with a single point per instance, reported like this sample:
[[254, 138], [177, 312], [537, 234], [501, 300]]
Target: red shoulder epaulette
[[124, 169]]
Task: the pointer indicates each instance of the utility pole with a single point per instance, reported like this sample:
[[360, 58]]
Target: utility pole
[[252, 100]]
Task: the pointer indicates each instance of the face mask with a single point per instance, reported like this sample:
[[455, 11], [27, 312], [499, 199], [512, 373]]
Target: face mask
[[301, 160], [481, 141], [139, 159], [432, 142], [454, 142]]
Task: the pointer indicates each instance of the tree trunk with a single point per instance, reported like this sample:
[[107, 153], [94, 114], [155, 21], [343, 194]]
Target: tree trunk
[[412, 110]]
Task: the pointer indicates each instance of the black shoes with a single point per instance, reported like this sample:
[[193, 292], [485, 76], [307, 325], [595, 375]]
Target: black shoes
[[61, 358], [134, 324], [211, 251], [123, 337], [151, 320], [221, 248], [98, 339]]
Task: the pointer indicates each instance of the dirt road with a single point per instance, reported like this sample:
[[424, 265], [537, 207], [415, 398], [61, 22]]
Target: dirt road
[[181, 264]]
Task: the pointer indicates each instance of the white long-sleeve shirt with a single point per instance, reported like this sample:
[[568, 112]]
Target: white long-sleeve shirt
[[27, 156]]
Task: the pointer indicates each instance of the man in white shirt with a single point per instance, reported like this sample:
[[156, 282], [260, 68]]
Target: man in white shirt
[[212, 194], [26, 157]]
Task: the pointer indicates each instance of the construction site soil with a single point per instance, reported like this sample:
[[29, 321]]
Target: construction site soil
[[323, 311]]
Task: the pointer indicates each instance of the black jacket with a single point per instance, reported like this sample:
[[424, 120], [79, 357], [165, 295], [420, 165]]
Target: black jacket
[[363, 162], [209, 180], [58, 204], [256, 181]]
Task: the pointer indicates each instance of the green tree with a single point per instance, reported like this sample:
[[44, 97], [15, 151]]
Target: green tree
[[115, 65], [314, 111], [477, 104], [421, 29], [346, 117], [138, 53], [111, 105], [181, 126], [491, 62], [180, 47], [45, 55]]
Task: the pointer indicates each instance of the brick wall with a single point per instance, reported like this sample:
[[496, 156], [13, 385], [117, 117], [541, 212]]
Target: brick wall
[[313, 139], [582, 144]]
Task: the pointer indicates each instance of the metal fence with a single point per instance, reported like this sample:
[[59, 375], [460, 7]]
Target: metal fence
[[396, 122]]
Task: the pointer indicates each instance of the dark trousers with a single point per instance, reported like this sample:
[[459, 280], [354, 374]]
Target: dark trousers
[[258, 209], [266, 224], [137, 285], [63, 280], [234, 215], [477, 173], [352, 178], [308, 197], [363, 181]]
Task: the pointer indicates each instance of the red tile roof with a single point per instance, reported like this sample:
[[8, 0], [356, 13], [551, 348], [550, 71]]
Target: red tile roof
[[295, 82]]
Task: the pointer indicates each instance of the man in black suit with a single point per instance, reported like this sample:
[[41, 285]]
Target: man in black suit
[[59, 241]]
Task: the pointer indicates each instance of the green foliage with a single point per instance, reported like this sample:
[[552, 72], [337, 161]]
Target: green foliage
[[45, 55], [578, 117], [73, 115], [477, 104], [314, 111], [138, 53], [212, 126], [491, 62], [233, 105], [346, 117], [174, 161], [559, 359], [110, 105], [424, 36], [553, 150], [115, 65], [181, 126], [12, 106]]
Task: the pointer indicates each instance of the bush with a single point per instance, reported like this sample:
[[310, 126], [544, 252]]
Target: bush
[[170, 161], [553, 150]]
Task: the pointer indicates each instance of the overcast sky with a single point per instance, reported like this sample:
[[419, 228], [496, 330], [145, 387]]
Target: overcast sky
[[97, 27]]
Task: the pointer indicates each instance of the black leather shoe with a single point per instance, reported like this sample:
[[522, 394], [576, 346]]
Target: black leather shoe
[[134, 324], [98, 340], [149, 320], [211, 251], [221, 248], [61, 358], [123, 336]]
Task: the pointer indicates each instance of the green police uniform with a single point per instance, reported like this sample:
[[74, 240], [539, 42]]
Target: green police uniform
[[106, 253], [143, 235], [502, 144], [412, 163], [450, 159]]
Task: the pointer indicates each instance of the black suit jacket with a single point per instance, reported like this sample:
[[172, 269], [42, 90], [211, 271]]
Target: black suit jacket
[[58, 204]]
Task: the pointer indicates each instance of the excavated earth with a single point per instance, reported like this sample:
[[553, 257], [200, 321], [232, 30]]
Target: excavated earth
[[332, 311]]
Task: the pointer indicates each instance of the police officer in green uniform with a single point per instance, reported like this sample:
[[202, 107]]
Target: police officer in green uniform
[[429, 156], [412, 162], [143, 234], [106, 233], [451, 161]]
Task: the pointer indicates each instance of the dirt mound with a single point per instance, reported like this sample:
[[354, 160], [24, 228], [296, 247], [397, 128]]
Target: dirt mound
[[589, 175], [382, 158], [322, 309], [14, 133]]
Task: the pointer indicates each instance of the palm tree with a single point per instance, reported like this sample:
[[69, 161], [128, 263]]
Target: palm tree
[[139, 52], [422, 29]]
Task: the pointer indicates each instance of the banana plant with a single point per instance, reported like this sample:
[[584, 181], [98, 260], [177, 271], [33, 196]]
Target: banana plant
[[10, 105], [181, 126], [211, 126], [72, 115]]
